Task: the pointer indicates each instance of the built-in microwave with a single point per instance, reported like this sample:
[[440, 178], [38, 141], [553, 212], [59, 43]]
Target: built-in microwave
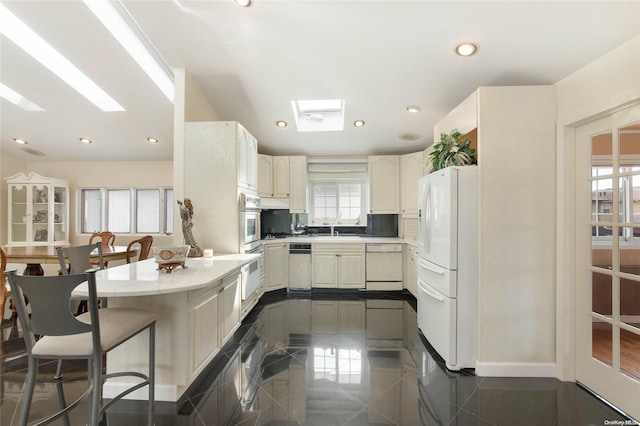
[[249, 222]]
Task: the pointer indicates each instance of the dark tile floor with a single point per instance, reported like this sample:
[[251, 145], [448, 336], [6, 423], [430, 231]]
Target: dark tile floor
[[325, 359]]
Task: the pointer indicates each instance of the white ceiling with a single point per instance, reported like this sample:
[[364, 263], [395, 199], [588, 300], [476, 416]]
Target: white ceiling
[[379, 56]]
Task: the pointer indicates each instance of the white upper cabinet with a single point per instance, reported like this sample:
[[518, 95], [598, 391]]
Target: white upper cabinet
[[274, 179], [265, 180], [298, 184], [384, 183], [38, 210], [412, 167], [247, 160], [280, 176]]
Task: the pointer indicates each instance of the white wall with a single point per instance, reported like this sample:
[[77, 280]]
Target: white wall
[[516, 268], [191, 104], [603, 86]]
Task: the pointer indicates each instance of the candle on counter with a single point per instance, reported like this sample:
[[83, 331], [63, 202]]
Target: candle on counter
[[208, 252]]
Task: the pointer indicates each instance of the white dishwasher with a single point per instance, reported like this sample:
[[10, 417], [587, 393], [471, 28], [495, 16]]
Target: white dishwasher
[[299, 266], [384, 267]]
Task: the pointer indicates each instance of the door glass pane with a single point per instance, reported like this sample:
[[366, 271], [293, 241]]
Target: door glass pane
[[602, 148], [630, 354], [59, 212], [601, 294], [601, 255], [629, 146], [634, 183], [629, 259], [602, 203], [601, 342], [630, 302], [19, 215]]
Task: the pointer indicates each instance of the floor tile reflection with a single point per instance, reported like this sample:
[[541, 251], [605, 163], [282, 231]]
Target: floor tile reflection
[[326, 359]]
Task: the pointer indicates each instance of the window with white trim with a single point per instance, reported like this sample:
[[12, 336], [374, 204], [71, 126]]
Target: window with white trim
[[126, 211], [338, 202]]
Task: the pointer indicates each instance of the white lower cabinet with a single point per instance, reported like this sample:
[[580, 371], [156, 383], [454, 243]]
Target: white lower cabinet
[[230, 305], [411, 270], [204, 310], [324, 270], [214, 315], [276, 266], [338, 266]]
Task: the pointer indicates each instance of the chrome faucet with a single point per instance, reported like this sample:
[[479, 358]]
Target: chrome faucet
[[332, 229]]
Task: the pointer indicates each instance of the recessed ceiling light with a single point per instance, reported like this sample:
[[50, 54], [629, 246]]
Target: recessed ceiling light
[[466, 49], [152, 140], [281, 123], [244, 3], [16, 30], [413, 108], [17, 99], [20, 141], [86, 140], [358, 123], [409, 136], [121, 25]]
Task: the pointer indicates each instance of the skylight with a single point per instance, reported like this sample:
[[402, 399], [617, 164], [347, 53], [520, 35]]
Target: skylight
[[119, 22], [17, 99], [16, 30], [319, 115]]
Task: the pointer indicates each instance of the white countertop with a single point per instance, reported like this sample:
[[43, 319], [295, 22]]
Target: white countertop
[[144, 279]]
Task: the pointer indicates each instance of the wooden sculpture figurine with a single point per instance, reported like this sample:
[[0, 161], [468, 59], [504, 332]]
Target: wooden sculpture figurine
[[186, 213]]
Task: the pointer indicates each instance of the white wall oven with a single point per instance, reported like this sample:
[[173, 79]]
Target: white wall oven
[[249, 222]]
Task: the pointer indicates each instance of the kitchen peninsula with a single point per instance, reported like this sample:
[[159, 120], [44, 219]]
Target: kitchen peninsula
[[198, 309]]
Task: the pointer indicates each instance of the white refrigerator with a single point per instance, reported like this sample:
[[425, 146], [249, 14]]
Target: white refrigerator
[[448, 264]]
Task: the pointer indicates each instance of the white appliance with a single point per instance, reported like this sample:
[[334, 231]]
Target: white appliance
[[251, 275], [300, 266], [384, 267], [448, 263], [249, 207]]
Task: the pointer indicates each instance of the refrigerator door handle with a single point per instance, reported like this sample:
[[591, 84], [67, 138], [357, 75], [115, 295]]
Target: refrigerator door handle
[[425, 218], [431, 269], [421, 286]]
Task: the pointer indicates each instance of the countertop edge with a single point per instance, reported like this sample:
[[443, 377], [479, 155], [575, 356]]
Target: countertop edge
[[143, 279]]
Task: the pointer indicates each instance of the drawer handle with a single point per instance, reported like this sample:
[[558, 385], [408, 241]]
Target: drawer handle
[[431, 269], [421, 285]]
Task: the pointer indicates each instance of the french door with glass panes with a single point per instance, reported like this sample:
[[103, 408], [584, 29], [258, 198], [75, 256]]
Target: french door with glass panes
[[608, 258]]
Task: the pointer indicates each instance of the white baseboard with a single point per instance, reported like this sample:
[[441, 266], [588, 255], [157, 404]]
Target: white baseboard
[[515, 369]]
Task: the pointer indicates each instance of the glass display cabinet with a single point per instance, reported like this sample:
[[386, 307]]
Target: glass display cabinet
[[38, 210]]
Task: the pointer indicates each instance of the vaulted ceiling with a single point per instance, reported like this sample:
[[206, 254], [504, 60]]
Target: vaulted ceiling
[[378, 56]]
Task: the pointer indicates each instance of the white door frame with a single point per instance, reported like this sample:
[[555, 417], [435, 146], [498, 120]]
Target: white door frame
[[565, 243]]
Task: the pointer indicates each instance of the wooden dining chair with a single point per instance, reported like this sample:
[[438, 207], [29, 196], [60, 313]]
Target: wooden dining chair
[[145, 247], [106, 238]]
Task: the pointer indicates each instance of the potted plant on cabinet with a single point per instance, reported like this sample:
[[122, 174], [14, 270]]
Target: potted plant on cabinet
[[452, 150]]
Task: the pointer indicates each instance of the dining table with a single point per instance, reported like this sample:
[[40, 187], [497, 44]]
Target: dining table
[[35, 256]]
